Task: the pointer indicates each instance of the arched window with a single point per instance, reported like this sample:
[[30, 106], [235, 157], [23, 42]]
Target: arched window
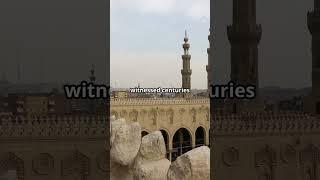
[[200, 136], [181, 143], [166, 141]]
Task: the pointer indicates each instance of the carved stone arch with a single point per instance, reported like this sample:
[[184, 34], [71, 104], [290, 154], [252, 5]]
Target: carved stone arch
[[133, 115], [265, 161], [10, 161], [230, 156], [181, 142], [166, 138], [75, 166], [200, 136], [170, 115], [193, 114]]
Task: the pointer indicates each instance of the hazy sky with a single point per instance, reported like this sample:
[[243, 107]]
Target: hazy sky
[[146, 38], [54, 40]]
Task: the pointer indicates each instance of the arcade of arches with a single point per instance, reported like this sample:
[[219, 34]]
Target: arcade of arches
[[184, 123]]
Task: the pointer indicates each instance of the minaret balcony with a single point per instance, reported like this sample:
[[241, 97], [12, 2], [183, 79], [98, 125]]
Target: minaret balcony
[[186, 72], [237, 35], [186, 56]]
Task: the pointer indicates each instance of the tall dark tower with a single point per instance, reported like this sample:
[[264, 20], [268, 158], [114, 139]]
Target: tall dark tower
[[244, 36], [186, 71], [209, 66], [314, 28]]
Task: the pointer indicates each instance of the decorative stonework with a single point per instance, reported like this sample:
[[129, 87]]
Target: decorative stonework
[[266, 156], [262, 124], [134, 115], [43, 164], [193, 114], [52, 126], [170, 115], [310, 154], [11, 161], [77, 164], [158, 101], [265, 162], [230, 156], [102, 162], [288, 154], [309, 161]]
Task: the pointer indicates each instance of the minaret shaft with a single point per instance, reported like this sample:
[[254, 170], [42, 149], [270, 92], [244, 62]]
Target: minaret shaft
[[317, 4], [244, 35], [314, 28], [186, 70]]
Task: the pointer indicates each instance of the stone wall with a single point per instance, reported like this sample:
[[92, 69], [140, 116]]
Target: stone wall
[[136, 158], [265, 146], [54, 147], [166, 114]]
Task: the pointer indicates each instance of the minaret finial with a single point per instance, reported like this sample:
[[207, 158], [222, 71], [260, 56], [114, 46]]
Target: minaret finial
[[186, 36], [186, 45]]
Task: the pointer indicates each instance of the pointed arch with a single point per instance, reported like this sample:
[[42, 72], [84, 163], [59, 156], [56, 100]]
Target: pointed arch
[[182, 142], [200, 136]]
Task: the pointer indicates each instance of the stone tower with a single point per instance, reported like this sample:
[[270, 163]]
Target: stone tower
[[314, 28], [244, 36], [209, 66], [186, 71]]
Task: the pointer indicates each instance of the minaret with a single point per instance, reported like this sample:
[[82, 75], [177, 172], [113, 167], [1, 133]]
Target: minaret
[[92, 76], [209, 66], [186, 71], [244, 36], [314, 28]]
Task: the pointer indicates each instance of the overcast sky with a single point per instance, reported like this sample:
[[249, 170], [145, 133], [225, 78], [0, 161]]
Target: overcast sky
[[146, 38], [59, 40], [54, 40]]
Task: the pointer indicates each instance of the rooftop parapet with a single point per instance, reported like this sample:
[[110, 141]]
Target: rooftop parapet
[[157, 101], [264, 124], [53, 127]]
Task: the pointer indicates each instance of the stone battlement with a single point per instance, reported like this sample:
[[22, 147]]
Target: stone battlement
[[248, 124], [53, 126], [157, 101]]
